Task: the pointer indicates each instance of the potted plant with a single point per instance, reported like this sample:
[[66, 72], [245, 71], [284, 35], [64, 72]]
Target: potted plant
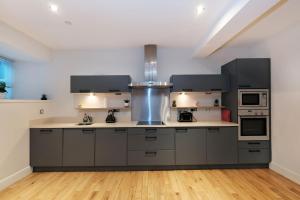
[[2, 89]]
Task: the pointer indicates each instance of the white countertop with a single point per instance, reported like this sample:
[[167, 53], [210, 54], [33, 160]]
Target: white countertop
[[134, 124]]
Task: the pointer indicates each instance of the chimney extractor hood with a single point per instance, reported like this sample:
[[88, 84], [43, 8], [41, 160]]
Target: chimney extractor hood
[[150, 58]]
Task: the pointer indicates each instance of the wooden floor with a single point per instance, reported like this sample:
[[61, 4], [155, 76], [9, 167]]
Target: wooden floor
[[180, 184]]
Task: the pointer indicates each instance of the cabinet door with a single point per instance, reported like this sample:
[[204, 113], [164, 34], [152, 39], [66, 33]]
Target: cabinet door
[[253, 73], [190, 146], [79, 147], [46, 147], [106, 83], [111, 147], [209, 82], [222, 145]]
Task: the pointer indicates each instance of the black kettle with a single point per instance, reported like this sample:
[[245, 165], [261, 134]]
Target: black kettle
[[111, 117]]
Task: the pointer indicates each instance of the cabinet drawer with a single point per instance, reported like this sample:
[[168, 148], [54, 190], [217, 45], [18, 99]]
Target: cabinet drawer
[[160, 157], [253, 156], [151, 141], [150, 130], [254, 144]]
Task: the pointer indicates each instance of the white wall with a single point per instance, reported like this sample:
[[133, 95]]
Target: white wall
[[14, 138], [31, 80], [16, 45], [284, 50]]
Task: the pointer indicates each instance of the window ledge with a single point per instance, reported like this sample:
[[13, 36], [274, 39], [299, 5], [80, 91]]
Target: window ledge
[[23, 101]]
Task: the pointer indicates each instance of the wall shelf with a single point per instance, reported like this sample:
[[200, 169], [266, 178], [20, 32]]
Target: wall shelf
[[198, 107], [111, 108]]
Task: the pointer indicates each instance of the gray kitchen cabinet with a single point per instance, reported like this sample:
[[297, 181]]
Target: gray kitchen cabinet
[[151, 158], [222, 147], [101, 84], [151, 139], [78, 147], [252, 73], [111, 147], [151, 146], [46, 147], [254, 156], [190, 146], [254, 152], [199, 82]]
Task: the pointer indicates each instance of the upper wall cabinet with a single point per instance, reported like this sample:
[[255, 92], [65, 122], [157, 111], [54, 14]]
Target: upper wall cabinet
[[252, 73], [105, 83], [199, 83]]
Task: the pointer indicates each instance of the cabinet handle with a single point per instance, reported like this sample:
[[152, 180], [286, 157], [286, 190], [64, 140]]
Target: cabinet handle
[[244, 86], [150, 153], [46, 131], [215, 89], [150, 130], [187, 90], [254, 151], [253, 143], [113, 90], [150, 138], [181, 130], [88, 131], [213, 129], [85, 91], [120, 130]]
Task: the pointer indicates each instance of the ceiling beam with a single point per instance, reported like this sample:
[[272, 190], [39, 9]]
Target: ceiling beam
[[237, 18], [17, 46]]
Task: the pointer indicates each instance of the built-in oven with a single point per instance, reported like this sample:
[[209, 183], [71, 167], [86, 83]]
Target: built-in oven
[[254, 125], [253, 99]]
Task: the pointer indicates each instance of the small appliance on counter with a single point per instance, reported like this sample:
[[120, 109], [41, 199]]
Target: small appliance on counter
[[87, 120], [185, 116], [111, 117]]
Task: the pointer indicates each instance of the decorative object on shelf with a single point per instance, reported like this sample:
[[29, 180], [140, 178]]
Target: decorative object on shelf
[[174, 104], [216, 103], [3, 90], [44, 97], [126, 103]]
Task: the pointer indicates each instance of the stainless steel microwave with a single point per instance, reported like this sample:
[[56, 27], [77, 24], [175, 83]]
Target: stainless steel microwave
[[253, 99], [254, 125]]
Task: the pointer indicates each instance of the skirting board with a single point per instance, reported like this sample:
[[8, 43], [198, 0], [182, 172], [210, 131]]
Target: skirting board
[[285, 172], [11, 179]]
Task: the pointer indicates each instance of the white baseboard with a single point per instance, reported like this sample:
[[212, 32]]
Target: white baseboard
[[11, 179], [285, 172]]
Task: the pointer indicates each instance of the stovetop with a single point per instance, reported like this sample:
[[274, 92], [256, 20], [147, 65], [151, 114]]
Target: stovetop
[[150, 123]]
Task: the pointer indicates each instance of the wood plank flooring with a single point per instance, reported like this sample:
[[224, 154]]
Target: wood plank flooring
[[153, 185]]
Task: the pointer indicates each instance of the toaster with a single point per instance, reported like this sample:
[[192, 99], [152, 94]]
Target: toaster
[[185, 116]]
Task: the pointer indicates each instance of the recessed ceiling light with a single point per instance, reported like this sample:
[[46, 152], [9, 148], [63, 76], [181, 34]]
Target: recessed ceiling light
[[67, 22], [53, 7], [200, 9]]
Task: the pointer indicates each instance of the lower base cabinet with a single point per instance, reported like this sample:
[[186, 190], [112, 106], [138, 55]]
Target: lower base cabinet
[[222, 146], [254, 152], [190, 146], [151, 158], [79, 147], [46, 147], [111, 147], [143, 147]]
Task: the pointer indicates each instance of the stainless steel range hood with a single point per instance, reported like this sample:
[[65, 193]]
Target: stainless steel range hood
[[150, 52]]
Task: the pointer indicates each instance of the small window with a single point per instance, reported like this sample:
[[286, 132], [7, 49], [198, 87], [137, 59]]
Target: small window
[[6, 75]]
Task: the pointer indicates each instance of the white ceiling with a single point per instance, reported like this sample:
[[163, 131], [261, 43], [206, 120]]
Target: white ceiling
[[114, 23], [285, 15]]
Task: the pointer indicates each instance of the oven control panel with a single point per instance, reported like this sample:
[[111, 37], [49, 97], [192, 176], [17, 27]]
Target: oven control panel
[[252, 112]]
